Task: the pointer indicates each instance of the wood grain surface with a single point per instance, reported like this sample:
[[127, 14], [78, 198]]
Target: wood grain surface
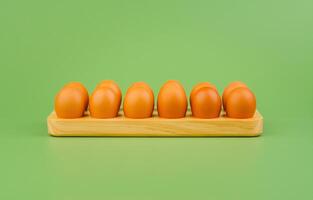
[[155, 126]]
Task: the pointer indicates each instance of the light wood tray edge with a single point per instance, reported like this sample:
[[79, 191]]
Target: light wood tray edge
[[156, 127]]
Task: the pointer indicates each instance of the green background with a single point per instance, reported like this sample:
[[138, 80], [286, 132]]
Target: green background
[[268, 44]]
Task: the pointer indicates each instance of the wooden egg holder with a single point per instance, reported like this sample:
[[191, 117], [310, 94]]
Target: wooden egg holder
[[155, 126]]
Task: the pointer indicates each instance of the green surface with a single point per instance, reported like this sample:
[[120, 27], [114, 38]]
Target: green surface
[[267, 44]]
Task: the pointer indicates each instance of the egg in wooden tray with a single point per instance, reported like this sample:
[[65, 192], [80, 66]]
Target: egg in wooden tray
[[144, 113]]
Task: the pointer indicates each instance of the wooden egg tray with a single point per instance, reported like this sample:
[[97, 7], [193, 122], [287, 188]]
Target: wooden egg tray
[[155, 126]]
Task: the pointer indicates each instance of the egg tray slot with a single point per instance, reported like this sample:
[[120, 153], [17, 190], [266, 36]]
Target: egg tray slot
[[155, 126]]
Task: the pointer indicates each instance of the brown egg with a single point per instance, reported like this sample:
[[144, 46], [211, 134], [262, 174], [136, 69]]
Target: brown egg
[[143, 85], [199, 86], [82, 88], [139, 101], [205, 103], [241, 103], [69, 103], [104, 103], [113, 85], [229, 89], [172, 100]]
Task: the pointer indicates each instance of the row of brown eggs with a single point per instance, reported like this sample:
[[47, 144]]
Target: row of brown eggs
[[73, 100]]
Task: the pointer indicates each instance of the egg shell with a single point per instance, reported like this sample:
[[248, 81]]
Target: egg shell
[[205, 103], [69, 103], [83, 89], [172, 100], [229, 89], [241, 103], [139, 102], [104, 103], [113, 85], [199, 86], [143, 85]]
